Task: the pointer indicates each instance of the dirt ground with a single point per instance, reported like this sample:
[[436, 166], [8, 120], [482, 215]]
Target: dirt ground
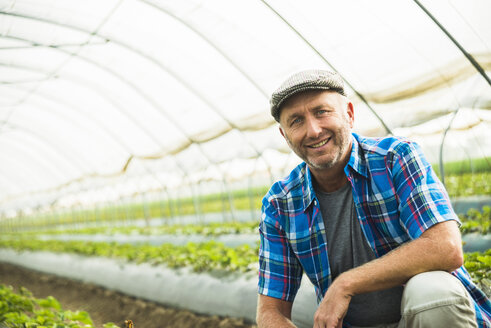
[[109, 306]]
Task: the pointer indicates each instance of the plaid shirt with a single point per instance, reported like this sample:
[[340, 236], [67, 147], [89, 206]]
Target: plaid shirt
[[397, 197]]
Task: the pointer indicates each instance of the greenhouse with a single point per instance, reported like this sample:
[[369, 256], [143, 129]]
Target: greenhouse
[[137, 143]]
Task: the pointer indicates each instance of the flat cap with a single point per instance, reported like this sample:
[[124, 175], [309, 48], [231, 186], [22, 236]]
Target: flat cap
[[302, 81]]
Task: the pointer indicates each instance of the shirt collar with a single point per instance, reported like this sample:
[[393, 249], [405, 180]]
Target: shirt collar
[[357, 160], [307, 188]]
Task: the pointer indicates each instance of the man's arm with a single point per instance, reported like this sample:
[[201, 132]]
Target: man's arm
[[273, 312], [280, 273], [438, 248]]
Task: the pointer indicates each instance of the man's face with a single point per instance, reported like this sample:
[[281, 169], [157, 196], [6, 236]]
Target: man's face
[[317, 126]]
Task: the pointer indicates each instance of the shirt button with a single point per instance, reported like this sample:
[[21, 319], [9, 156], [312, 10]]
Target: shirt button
[[315, 202]]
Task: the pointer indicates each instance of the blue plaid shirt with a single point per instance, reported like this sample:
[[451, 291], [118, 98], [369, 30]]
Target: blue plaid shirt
[[397, 197]]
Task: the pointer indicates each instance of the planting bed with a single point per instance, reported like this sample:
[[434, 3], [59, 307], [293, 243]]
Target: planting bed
[[214, 293], [209, 268], [109, 306]]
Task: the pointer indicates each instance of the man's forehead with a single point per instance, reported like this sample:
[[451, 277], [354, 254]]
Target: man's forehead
[[311, 99]]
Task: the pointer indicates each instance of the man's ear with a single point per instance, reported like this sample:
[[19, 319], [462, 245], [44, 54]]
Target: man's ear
[[351, 113], [282, 132]]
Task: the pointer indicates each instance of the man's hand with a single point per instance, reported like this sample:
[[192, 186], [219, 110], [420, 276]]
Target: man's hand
[[334, 306]]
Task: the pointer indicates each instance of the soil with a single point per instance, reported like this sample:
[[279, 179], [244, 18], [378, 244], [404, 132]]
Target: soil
[[109, 306]]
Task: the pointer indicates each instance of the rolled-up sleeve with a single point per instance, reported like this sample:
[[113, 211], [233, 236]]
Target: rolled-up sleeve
[[280, 272]]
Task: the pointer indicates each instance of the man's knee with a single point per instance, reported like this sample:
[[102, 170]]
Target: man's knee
[[438, 298], [429, 287]]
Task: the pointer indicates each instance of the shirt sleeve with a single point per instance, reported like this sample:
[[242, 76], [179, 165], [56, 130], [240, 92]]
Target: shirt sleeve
[[280, 272], [423, 200]]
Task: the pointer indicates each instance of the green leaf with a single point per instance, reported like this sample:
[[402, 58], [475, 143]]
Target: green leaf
[[80, 316], [49, 302]]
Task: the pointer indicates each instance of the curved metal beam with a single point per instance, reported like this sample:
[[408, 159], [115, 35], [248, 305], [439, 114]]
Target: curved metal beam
[[131, 157], [90, 86], [467, 55], [131, 49], [152, 102], [125, 81], [211, 44], [103, 95], [151, 59], [104, 20], [61, 45], [74, 122], [229, 60], [51, 145], [86, 116], [449, 126], [40, 139]]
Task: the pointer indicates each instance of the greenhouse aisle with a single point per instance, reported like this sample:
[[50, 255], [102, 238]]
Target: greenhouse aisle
[[108, 306]]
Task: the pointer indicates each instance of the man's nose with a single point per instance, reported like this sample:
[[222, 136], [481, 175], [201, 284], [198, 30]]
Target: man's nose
[[313, 128]]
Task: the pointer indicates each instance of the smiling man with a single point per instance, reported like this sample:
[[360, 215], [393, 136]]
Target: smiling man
[[366, 219]]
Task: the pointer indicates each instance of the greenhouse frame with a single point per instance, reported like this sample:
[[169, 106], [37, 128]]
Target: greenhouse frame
[[150, 113]]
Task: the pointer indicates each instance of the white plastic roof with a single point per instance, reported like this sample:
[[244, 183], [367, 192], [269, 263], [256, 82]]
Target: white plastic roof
[[104, 99]]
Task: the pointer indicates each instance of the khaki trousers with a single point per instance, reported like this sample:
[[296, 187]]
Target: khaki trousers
[[435, 299]]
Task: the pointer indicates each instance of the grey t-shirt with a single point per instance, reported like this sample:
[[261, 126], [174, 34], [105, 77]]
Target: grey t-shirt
[[348, 248]]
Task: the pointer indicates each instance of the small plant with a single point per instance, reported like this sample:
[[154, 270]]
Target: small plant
[[476, 221], [479, 266], [206, 256], [23, 310]]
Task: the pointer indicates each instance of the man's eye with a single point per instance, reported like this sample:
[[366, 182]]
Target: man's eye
[[295, 121], [321, 111]]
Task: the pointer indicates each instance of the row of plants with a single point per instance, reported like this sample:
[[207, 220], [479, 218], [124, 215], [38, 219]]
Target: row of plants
[[200, 257], [479, 266], [240, 200], [473, 221], [468, 184], [460, 180], [476, 221], [22, 309], [213, 229], [207, 256], [475, 165]]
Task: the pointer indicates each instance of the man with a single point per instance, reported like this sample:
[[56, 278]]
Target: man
[[366, 219]]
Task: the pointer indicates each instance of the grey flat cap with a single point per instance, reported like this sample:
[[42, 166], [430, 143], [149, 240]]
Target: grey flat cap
[[302, 81]]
